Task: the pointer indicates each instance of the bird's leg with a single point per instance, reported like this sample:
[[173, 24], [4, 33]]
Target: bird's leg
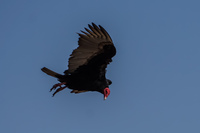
[[56, 85], [59, 89]]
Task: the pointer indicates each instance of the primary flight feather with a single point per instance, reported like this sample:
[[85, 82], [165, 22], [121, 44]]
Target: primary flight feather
[[87, 64]]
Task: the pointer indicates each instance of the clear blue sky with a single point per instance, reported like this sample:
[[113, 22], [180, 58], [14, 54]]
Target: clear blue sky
[[155, 74]]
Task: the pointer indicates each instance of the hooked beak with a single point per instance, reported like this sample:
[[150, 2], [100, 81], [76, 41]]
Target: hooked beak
[[105, 98]]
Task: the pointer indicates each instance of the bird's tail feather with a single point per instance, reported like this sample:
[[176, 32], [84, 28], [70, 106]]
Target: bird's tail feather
[[50, 72]]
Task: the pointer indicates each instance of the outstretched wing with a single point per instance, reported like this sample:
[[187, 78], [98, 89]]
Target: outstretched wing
[[95, 47]]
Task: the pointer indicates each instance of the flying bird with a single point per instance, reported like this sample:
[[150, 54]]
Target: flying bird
[[87, 63]]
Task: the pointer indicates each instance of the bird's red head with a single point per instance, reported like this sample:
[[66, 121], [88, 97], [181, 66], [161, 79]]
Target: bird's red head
[[106, 92]]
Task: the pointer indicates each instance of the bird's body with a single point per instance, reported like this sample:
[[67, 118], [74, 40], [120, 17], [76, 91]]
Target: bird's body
[[87, 64]]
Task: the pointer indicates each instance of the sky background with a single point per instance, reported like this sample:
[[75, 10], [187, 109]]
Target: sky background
[[155, 73]]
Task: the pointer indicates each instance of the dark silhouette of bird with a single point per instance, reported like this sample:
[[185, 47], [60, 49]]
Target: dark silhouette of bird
[[87, 63]]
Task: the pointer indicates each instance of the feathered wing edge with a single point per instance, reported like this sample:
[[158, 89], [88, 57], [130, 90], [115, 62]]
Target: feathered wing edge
[[90, 44]]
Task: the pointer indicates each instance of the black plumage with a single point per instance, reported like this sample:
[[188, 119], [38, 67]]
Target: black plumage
[[87, 64]]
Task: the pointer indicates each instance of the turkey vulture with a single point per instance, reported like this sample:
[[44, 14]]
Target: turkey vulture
[[87, 64]]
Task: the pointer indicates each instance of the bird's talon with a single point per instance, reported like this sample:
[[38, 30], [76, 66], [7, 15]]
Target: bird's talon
[[59, 89], [56, 85]]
